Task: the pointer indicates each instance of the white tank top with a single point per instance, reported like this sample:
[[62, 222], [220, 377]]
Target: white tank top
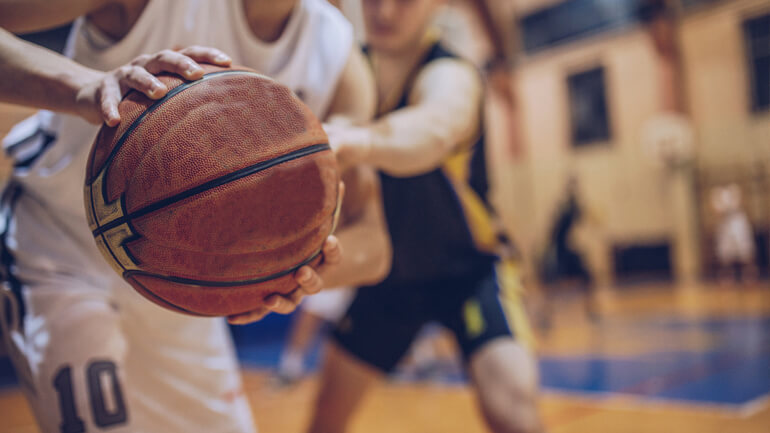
[[308, 58]]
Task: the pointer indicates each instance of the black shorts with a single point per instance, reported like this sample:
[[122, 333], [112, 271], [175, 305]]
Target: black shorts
[[382, 322]]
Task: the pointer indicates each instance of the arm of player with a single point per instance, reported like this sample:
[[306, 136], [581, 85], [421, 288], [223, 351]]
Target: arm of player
[[503, 37], [40, 78], [35, 15], [362, 233], [361, 236], [496, 17], [444, 110]]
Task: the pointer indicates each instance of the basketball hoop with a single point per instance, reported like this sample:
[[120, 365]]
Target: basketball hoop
[[668, 140]]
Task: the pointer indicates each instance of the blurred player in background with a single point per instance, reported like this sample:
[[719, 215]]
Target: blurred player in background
[[427, 144], [734, 237], [562, 260], [79, 336], [312, 316]]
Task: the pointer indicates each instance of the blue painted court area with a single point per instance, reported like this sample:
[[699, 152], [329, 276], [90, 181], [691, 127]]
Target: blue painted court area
[[725, 360]]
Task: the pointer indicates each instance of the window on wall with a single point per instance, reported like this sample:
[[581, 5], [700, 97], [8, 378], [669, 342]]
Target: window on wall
[[689, 4], [589, 115], [571, 20], [757, 31]]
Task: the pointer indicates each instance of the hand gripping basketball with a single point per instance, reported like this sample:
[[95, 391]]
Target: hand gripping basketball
[[98, 100], [216, 197]]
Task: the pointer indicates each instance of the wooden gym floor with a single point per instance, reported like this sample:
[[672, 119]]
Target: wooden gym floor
[[641, 331], [660, 359]]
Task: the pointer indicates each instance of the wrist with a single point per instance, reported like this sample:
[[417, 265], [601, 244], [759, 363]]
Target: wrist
[[366, 145], [85, 86]]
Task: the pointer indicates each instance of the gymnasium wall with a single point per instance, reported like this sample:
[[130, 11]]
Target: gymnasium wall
[[718, 84], [627, 197], [733, 139], [622, 191]]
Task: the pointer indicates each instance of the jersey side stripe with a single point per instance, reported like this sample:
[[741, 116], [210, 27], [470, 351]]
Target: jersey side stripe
[[511, 299], [477, 217]]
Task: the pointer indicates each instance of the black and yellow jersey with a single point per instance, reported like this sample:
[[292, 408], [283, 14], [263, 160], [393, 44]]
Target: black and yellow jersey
[[439, 222]]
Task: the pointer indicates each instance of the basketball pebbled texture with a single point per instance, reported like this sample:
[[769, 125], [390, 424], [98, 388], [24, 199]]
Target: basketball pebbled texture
[[208, 200]]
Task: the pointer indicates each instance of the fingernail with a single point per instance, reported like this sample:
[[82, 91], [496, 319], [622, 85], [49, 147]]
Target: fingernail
[[192, 69], [114, 118], [221, 58], [157, 88]]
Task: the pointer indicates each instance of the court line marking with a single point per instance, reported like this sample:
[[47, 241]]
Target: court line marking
[[755, 406], [741, 410]]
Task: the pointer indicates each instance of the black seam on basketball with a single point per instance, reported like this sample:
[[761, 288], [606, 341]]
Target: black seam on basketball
[[112, 253], [230, 177], [127, 133], [135, 124], [127, 250], [205, 283], [147, 293]]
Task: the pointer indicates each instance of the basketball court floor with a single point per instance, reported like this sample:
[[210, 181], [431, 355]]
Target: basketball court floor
[[660, 359]]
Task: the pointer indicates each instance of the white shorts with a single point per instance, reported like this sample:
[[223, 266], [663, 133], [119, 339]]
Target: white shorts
[[330, 304], [94, 356]]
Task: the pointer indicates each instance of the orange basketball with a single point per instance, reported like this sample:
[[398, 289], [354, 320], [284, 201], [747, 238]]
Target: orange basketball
[[208, 199]]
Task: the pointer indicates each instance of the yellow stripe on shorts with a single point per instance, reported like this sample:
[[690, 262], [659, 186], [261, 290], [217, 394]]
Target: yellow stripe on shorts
[[511, 298]]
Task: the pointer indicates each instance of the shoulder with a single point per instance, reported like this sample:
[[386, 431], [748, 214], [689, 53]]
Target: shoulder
[[330, 33], [328, 22], [441, 70]]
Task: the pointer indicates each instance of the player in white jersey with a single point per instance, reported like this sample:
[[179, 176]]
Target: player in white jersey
[[91, 354]]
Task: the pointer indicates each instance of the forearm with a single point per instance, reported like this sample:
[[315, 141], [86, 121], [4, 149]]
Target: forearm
[[366, 255], [364, 260], [37, 77], [410, 141], [496, 18], [444, 112]]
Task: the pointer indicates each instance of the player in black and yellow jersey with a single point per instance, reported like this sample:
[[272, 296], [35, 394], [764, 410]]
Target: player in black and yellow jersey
[[427, 144]]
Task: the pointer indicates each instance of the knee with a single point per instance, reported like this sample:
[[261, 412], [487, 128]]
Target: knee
[[508, 396], [512, 410]]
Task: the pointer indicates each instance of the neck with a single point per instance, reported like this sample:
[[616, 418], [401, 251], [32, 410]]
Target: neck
[[403, 55], [267, 19], [392, 70]]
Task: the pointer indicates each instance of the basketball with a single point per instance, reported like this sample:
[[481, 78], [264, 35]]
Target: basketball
[[207, 200]]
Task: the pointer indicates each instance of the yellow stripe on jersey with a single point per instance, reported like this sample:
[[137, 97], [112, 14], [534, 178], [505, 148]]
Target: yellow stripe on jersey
[[478, 218], [511, 298]]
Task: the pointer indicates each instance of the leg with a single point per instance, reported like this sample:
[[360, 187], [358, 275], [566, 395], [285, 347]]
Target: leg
[[182, 370], [69, 353], [492, 331], [369, 340], [504, 376], [327, 306], [304, 327], [344, 382], [93, 355]]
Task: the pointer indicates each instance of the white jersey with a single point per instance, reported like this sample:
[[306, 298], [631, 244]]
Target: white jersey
[[735, 239], [82, 325], [308, 58]]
